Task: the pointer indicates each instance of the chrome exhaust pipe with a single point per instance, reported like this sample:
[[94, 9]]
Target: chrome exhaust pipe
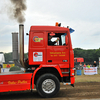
[[21, 44]]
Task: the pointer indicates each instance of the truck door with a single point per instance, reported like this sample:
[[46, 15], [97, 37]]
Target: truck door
[[36, 48], [59, 52]]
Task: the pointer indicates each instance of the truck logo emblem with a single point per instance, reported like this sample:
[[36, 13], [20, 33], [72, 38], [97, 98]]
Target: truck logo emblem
[[35, 54], [37, 39]]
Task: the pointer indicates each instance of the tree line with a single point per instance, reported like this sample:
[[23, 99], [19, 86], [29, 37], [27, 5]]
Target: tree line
[[89, 55]]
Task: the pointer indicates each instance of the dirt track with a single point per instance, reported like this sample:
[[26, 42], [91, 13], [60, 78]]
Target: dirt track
[[80, 91]]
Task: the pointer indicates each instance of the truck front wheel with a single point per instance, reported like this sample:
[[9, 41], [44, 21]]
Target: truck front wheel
[[48, 85]]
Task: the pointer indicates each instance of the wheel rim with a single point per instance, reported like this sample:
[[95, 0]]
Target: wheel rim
[[48, 86]]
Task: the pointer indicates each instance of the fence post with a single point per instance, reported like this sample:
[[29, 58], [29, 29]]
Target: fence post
[[98, 70]]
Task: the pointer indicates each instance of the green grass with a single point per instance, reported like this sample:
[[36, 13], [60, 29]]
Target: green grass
[[88, 78]]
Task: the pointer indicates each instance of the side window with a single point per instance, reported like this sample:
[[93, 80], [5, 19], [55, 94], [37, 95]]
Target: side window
[[57, 39], [63, 39]]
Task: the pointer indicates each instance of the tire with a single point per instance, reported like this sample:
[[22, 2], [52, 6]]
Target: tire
[[48, 85]]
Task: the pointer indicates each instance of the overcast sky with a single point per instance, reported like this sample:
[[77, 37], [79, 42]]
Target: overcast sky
[[81, 15]]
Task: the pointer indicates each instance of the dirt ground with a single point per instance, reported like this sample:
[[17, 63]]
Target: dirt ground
[[81, 91]]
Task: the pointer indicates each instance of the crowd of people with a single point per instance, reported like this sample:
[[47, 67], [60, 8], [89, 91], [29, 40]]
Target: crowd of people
[[88, 65]]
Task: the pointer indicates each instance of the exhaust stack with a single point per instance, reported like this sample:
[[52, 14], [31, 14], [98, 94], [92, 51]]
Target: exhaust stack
[[21, 44], [15, 45], [15, 48]]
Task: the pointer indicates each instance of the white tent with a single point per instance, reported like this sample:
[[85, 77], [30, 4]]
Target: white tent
[[2, 59]]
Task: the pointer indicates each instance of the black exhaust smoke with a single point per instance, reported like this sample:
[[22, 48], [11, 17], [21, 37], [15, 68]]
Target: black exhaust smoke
[[19, 7]]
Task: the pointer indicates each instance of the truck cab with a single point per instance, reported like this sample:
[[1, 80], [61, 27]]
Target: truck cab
[[40, 52]]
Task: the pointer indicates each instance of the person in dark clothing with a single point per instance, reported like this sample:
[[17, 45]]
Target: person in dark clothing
[[50, 42], [94, 65], [1, 65]]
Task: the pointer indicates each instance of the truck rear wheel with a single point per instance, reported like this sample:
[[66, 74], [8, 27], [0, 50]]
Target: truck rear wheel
[[48, 85]]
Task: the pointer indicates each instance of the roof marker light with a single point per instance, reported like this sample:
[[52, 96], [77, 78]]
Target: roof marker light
[[56, 24]]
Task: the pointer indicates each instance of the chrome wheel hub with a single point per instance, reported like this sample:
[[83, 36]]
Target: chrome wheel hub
[[48, 86]]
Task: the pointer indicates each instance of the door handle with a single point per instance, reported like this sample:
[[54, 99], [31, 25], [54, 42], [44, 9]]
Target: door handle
[[49, 60]]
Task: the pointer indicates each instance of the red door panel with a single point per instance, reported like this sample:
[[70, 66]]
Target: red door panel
[[57, 55], [36, 48]]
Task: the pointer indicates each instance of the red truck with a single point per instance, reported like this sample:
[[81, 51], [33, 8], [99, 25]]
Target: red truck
[[47, 65]]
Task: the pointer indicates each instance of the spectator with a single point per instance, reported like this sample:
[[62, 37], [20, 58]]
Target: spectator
[[80, 66], [84, 65], [8, 66], [94, 65], [1, 65], [88, 66]]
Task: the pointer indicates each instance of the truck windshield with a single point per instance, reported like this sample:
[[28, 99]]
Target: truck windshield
[[52, 40]]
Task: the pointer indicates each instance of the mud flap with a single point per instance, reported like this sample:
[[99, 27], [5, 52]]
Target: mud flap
[[72, 85]]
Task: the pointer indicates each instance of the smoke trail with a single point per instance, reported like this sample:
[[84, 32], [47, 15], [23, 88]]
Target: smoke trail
[[19, 6]]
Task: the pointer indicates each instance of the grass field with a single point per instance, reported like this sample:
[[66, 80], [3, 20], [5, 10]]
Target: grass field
[[88, 78]]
